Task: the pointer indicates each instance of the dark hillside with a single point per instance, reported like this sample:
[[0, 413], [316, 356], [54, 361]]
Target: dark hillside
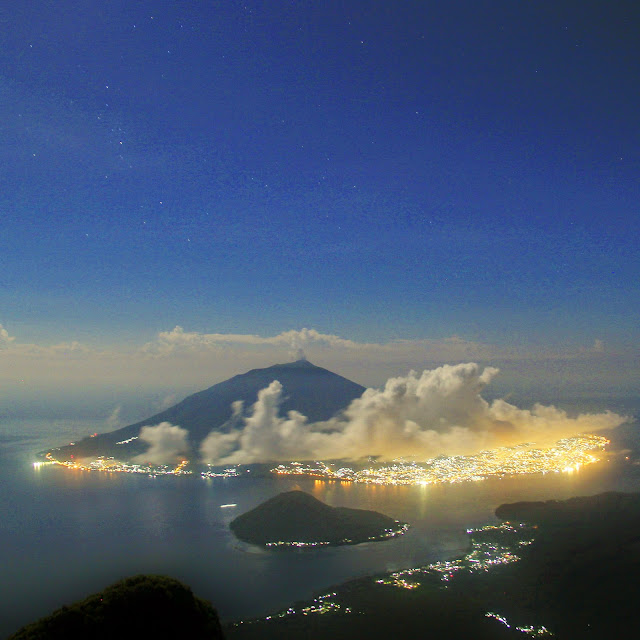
[[583, 571], [143, 606]]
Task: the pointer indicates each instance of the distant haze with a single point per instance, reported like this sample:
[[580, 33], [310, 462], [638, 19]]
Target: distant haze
[[89, 381]]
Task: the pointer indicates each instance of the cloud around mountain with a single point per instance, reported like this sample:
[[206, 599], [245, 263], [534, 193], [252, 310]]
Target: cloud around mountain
[[166, 442], [439, 411]]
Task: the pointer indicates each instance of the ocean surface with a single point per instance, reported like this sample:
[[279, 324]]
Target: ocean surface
[[65, 534]]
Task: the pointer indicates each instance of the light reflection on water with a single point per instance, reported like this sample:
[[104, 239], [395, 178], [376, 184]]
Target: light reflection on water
[[65, 533]]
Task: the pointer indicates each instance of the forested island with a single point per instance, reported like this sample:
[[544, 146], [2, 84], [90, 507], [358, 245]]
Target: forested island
[[295, 519]]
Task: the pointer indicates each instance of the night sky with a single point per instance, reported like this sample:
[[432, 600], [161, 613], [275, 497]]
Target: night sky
[[378, 171]]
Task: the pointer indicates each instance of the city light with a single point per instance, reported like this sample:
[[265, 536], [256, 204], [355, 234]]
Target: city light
[[231, 472], [111, 465], [491, 546], [400, 529], [565, 456], [321, 605], [568, 455]]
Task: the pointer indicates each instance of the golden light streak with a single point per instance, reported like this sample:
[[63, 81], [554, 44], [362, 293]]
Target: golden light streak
[[565, 456]]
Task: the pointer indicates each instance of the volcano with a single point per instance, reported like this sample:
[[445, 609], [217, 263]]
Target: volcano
[[315, 392]]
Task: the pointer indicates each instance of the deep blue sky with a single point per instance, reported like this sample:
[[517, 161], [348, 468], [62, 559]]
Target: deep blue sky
[[375, 170]]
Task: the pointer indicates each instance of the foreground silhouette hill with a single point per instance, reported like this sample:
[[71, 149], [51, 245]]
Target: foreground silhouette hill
[[143, 606], [296, 516], [313, 391]]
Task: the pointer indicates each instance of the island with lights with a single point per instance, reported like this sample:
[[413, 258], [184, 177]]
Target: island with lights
[[297, 520], [553, 569]]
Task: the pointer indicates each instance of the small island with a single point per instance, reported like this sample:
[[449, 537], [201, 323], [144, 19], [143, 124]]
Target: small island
[[295, 519]]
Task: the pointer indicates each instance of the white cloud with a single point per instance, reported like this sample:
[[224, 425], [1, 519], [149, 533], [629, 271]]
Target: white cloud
[[416, 416], [9, 343], [168, 401], [178, 338], [312, 343], [217, 444], [5, 338], [113, 421], [168, 443]]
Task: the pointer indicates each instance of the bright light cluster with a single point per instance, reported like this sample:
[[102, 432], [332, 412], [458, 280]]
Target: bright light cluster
[[320, 605], [399, 582], [282, 543], [491, 545], [387, 533], [40, 464], [111, 465], [231, 472], [530, 630], [566, 455]]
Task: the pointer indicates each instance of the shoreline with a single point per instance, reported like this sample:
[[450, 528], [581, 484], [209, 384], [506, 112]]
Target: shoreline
[[345, 587]]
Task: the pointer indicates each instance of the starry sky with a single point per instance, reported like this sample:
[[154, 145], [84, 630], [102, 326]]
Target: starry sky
[[378, 171]]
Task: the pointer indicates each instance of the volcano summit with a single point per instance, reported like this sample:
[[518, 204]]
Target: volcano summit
[[313, 391]]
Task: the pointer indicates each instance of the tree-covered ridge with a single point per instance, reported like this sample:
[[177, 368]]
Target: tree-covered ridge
[[144, 606], [595, 510], [583, 571]]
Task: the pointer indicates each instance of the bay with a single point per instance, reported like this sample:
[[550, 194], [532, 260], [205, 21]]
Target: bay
[[65, 534]]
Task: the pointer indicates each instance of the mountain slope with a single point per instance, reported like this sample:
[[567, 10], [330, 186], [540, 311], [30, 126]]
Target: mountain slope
[[313, 391]]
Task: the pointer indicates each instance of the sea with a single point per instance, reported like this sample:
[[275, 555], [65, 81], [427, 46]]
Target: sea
[[65, 534]]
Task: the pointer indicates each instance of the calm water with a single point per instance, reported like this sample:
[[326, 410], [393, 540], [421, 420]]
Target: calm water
[[65, 534]]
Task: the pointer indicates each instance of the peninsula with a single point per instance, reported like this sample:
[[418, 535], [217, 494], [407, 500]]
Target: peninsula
[[295, 519], [557, 569]]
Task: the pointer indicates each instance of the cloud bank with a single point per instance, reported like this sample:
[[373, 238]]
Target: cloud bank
[[176, 363], [179, 339], [5, 338], [440, 411]]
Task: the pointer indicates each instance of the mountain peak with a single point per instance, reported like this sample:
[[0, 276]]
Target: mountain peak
[[302, 363], [313, 391]]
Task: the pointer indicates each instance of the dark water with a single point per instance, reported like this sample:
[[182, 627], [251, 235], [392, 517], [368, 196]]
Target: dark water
[[66, 534]]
